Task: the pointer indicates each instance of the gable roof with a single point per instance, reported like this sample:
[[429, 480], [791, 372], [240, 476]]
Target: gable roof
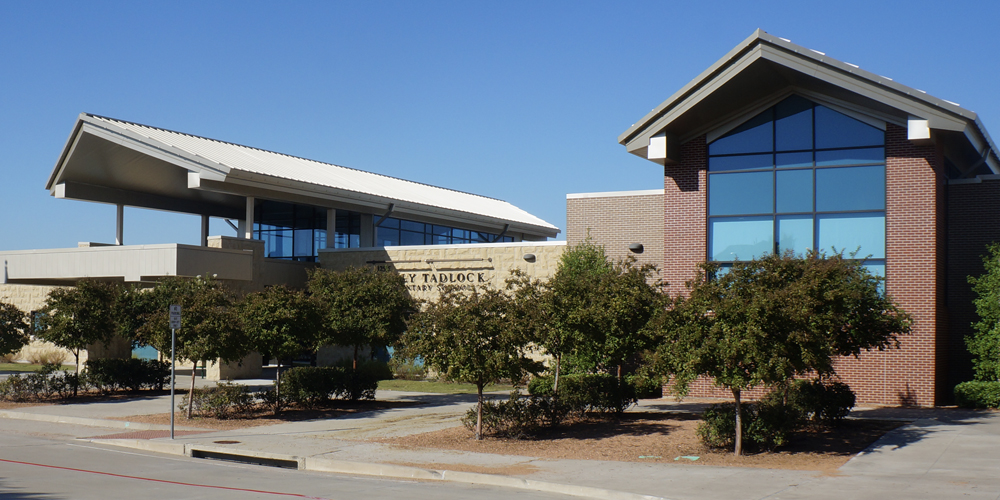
[[763, 67], [140, 165]]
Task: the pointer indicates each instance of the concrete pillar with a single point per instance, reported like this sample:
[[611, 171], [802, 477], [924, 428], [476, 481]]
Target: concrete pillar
[[204, 230], [120, 225], [367, 230], [331, 226], [246, 228]]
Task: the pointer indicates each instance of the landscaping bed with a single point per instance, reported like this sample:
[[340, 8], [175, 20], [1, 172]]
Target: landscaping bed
[[662, 437]]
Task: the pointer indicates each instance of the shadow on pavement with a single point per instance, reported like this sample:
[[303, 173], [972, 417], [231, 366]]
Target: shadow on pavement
[[12, 493]]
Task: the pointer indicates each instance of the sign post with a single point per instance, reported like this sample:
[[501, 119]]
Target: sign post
[[175, 323]]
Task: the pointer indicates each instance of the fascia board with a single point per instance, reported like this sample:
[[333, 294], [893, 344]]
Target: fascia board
[[982, 142], [643, 123], [152, 147], [642, 138], [67, 151], [257, 185]]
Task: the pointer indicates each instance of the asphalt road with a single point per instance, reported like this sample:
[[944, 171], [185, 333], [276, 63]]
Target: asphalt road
[[42, 462]]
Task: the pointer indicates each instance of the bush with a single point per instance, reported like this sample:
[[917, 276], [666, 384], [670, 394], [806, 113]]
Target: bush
[[978, 394], [517, 417], [133, 374], [226, 400], [50, 381], [767, 424], [827, 402], [646, 387], [407, 370], [310, 386], [581, 393]]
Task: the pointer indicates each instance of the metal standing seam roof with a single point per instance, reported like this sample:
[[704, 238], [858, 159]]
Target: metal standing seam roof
[[258, 161]]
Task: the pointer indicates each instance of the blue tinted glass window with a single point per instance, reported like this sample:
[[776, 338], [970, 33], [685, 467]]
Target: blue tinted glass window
[[753, 136], [850, 233], [795, 191], [740, 238], [795, 233], [850, 188], [411, 238], [789, 160], [793, 124], [742, 162], [741, 193], [837, 130], [302, 243], [409, 225], [390, 222], [387, 237], [850, 156]]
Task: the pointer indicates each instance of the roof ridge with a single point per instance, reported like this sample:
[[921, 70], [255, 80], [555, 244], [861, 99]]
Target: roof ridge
[[292, 156]]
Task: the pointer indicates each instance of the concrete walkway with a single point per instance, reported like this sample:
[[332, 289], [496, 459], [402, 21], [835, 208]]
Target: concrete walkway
[[942, 453]]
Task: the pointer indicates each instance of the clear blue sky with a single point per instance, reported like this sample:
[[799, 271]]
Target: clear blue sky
[[521, 101]]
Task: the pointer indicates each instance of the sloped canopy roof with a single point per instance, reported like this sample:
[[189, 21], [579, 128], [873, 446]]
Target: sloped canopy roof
[[114, 161], [764, 68]]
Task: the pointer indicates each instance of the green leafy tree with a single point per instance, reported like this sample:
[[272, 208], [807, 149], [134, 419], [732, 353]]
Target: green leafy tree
[[468, 337], [14, 328], [361, 306], [768, 320], [210, 326], [600, 309], [281, 322], [984, 344], [75, 317]]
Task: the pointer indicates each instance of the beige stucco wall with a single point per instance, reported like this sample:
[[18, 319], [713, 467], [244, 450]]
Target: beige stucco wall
[[425, 268]]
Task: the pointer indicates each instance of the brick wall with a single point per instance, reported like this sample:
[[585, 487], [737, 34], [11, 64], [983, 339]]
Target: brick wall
[[617, 220], [684, 202]]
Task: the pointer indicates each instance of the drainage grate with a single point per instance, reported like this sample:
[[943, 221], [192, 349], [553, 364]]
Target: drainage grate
[[246, 459], [226, 441]]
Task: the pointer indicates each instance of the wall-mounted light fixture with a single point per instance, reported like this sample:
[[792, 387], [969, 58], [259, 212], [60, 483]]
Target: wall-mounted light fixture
[[529, 257], [635, 248]]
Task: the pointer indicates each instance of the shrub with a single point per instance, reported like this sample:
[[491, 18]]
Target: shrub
[[646, 386], [226, 400], [517, 417], [132, 374], [827, 402], [407, 370], [310, 386], [767, 424], [588, 392], [978, 394], [50, 381], [47, 356]]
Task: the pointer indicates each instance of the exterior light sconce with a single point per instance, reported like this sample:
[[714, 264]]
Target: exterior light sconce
[[635, 248], [529, 257]]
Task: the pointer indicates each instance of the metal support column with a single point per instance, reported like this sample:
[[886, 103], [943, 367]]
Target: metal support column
[[119, 225], [204, 230], [247, 226]]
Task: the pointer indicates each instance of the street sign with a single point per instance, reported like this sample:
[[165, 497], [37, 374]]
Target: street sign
[[175, 316]]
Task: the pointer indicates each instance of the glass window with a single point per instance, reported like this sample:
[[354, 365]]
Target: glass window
[[837, 130], [387, 237], [795, 191], [862, 235], [409, 225], [411, 238], [743, 162], [736, 238], [741, 193], [302, 243], [795, 233], [793, 124], [850, 188], [390, 222], [850, 156], [790, 160], [754, 136]]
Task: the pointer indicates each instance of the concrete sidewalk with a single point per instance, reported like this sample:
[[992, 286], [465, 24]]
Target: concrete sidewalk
[[942, 453]]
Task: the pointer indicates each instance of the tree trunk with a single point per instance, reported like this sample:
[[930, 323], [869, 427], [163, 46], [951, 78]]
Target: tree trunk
[[277, 389], [555, 383], [479, 413], [194, 370], [76, 354], [354, 367], [739, 424]]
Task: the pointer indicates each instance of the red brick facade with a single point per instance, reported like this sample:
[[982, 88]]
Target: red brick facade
[[684, 207]]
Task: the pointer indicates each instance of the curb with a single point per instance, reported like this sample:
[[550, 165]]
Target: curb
[[90, 422], [382, 470]]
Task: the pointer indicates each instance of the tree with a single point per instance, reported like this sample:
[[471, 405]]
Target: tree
[[14, 328], [76, 317], [281, 322], [984, 344], [600, 309], [361, 306], [210, 327], [468, 337], [768, 320]]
